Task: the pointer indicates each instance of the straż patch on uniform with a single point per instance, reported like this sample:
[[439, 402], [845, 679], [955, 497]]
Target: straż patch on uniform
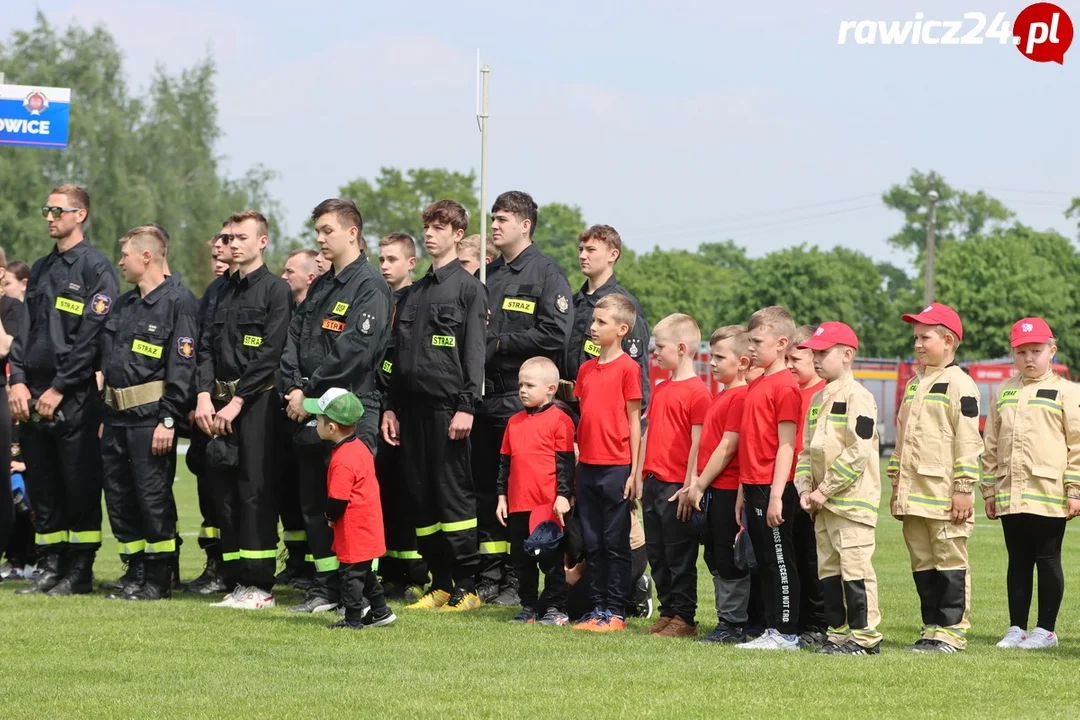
[[969, 406], [185, 347], [101, 304], [367, 324], [864, 427], [562, 304]]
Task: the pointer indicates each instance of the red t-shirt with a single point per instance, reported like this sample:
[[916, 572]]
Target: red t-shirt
[[604, 390], [806, 395], [770, 400], [358, 534], [675, 407], [724, 416], [531, 440]]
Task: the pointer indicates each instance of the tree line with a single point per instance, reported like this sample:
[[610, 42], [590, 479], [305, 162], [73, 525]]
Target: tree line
[[153, 157]]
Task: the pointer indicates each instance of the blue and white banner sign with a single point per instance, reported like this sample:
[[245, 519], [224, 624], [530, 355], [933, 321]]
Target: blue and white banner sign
[[34, 116]]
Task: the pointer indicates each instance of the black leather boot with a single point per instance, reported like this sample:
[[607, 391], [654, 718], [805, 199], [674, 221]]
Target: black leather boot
[[79, 579], [52, 566]]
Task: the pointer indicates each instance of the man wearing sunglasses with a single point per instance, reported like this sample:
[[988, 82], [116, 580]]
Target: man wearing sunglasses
[[54, 394]]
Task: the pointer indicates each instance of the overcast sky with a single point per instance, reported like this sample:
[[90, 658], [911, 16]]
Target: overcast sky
[[677, 122]]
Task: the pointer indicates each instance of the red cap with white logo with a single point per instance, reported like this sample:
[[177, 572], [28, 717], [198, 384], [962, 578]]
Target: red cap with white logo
[[829, 334], [1031, 330], [938, 314]]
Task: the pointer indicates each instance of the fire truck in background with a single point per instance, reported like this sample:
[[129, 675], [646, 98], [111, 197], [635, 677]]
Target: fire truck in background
[[887, 378]]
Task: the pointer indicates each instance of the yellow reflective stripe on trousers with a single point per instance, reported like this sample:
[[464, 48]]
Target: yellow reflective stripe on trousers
[[459, 526], [327, 564], [294, 536], [130, 548], [209, 533], [258, 554], [495, 548], [403, 554], [53, 538], [229, 557], [375, 565], [429, 530], [162, 546], [84, 537]]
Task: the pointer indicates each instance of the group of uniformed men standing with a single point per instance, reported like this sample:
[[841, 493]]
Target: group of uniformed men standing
[[435, 364]]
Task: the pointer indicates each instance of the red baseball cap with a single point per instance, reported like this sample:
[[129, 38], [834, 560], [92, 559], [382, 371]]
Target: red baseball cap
[[1031, 330], [938, 314], [829, 334]]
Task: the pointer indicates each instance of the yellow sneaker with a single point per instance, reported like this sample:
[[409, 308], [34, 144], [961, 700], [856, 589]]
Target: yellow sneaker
[[433, 600], [461, 601]]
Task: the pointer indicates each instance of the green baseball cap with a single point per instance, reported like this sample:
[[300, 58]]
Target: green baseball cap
[[338, 404]]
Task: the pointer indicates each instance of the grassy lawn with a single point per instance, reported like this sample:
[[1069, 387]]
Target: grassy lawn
[[86, 657]]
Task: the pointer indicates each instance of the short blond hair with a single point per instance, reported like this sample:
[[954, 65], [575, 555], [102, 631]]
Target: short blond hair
[[548, 370], [622, 309], [149, 237], [470, 245], [680, 327], [802, 334], [740, 339], [775, 318]]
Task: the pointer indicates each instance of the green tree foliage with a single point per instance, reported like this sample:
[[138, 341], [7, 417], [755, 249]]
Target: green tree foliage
[[557, 228], [995, 279], [959, 214], [143, 159], [394, 201]]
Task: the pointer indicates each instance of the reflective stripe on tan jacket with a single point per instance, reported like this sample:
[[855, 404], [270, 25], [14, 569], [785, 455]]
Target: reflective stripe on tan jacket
[[1032, 457], [839, 455], [937, 442]]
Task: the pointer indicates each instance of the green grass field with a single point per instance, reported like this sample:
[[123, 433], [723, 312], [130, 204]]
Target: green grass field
[[88, 657]]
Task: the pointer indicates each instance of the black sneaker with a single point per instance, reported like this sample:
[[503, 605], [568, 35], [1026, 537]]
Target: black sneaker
[[527, 616], [379, 617], [507, 597], [921, 645], [313, 605], [812, 639], [725, 633], [642, 597], [344, 624], [850, 647], [934, 646], [487, 591]]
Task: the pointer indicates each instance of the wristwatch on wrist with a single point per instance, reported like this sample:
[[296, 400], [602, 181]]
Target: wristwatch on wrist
[[168, 422]]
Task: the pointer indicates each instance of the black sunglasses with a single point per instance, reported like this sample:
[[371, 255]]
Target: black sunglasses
[[56, 211], [223, 237]]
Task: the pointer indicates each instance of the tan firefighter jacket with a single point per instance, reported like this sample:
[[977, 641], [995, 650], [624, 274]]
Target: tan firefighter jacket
[[839, 455], [1032, 457]]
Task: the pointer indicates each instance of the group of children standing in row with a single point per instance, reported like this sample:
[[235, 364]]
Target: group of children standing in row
[[788, 452]]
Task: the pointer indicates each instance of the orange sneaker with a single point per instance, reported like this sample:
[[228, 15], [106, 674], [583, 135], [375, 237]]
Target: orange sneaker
[[610, 623], [588, 622]]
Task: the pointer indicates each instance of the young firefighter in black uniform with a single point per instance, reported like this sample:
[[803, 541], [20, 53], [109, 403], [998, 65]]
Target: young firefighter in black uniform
[[148, 360], [54, 394], [212, 579], [337, 339], [403, 572], [300, 271], [599, 248], [531, 314], [237, 406], [434, 391]]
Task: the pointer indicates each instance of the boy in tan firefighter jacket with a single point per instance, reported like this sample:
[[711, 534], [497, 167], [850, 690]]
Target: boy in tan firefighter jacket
[[839, 483], [1031, 478], [933, 470]]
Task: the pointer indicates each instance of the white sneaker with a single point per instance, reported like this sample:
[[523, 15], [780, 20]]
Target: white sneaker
[[231, 600], [255, 599], [1013, 637], [771, 640], [1039, 639]]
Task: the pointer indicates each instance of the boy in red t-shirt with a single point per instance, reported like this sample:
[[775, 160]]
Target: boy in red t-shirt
[[812, 622], [676, 413], [766, 453], [535, 484], [716, 480], [609, 435], [353, 510]]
